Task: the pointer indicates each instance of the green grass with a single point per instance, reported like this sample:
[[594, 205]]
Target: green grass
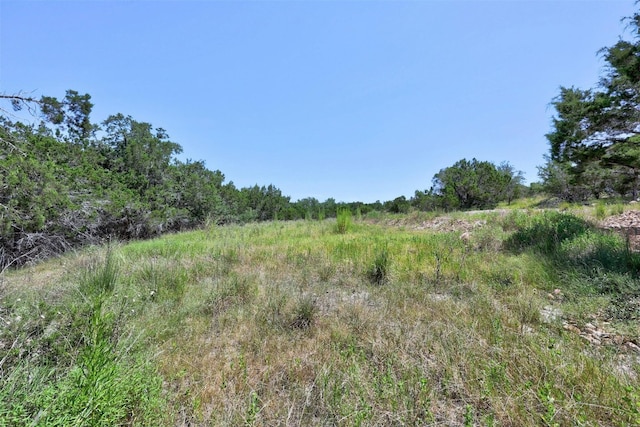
[[300, 323], [344, 221], [70, 362]]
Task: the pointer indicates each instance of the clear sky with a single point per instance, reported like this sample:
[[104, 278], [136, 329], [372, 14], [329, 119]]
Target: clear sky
[[356, 100]]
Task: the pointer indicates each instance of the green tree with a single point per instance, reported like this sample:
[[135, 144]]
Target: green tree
[[426, 200], [473, 184], [398, 205], [72, 115], [138, 151], [308, 208], [197, 190], [513, 181], [595, 135], [264, 203]]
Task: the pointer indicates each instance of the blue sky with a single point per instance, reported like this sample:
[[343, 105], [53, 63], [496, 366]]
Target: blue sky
[[356, 100]]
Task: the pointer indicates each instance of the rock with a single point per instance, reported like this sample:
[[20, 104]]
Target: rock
[[549, 314], [590, 338], [631, 346], [571, 328]]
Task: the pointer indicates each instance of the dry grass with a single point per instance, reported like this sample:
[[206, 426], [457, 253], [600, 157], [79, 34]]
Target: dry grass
[[280, 324]]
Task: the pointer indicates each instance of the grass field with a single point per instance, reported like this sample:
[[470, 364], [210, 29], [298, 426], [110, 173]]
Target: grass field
[[345, 323]]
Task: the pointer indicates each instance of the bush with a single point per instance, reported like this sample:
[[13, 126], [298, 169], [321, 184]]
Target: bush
[[546, 232]]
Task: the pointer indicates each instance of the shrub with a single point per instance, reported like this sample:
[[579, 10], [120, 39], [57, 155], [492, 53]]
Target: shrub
[[546, 232]]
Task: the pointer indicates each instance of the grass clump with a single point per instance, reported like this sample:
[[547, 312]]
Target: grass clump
[[378, 272], [304, 314], [600, 211], [344, 221]]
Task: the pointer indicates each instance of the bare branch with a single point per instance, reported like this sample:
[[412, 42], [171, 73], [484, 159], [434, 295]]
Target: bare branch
[[19, 101], [19, 98]]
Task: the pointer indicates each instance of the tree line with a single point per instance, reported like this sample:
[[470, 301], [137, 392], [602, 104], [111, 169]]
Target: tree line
[[66, 181]]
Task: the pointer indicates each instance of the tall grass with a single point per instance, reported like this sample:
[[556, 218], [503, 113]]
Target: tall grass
[[344, 221], [287, 324], [79, 369]]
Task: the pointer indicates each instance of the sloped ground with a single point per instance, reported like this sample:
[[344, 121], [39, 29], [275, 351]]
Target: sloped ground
[[285, 324], [440, 224], [627, 224]]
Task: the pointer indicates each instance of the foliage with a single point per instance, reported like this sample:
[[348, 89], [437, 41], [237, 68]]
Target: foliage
[[64, 184], [82, 370], [264, 322], [594, 143], [397, 205], [591, 261], [71, 116], [344, 221], [476, 184]]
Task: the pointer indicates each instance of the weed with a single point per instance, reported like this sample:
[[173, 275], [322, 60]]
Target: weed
[[97, 383], [304, 314], [624, 308], [100, 278], [631, 400], [344, 221], [263, 323], [548, 401], [617, 209], [378, 272], [547, 232], [253, 410], [468, 415], [600, 211]]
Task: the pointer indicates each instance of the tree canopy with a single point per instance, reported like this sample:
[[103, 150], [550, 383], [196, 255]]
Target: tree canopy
[[476, 184], [595, 136]]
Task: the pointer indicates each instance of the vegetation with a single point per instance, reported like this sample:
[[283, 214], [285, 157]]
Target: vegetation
[[387, 313], [293, 323], [69, 359], [476, 185], [68, 182], [594, 144]]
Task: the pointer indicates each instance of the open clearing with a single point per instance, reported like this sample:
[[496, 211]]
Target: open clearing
[[503, 318]]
